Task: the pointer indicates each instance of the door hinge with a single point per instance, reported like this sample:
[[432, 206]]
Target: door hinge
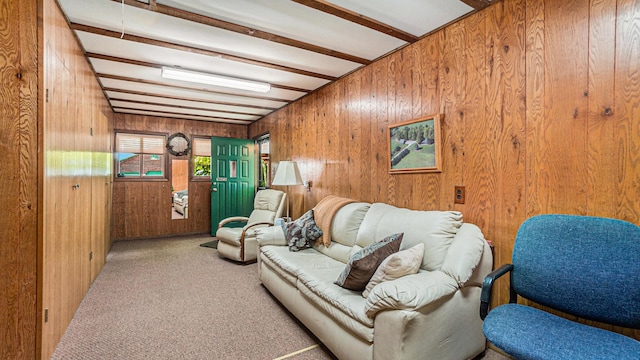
[[46, 314], [91, 131], [46, 95], [90, 255]]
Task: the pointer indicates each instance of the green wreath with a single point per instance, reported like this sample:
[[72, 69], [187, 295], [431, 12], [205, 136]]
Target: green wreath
[[171, 143]]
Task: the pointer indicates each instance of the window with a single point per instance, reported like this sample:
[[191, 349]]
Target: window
[[202, 157], [139, 155]]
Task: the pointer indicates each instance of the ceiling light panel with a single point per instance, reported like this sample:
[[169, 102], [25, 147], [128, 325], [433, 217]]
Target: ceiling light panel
[[216, 80], [155, 75]]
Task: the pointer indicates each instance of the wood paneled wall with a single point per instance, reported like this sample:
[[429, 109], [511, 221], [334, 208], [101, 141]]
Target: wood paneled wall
[[18, 178], [143, 209], [541, 106], [75, 148]]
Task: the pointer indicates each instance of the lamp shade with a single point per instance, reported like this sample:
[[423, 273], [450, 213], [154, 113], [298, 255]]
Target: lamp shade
[[287, 174]]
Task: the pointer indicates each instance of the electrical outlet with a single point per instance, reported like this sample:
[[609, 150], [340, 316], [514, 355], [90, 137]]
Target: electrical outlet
[[459, 195]]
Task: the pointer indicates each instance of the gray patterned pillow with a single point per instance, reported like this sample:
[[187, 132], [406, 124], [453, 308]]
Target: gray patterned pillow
[[364, 263], [302, 232]]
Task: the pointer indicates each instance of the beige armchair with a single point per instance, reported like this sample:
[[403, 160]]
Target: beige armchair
[[240, 244]]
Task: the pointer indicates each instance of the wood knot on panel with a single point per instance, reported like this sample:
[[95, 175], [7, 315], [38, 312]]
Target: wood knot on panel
[[446, 69], [506, 48], [575, 113], [515, 141], [608, 111], [586, 93]]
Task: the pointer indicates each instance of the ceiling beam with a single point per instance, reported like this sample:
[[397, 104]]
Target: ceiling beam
[[193, 88], [244, 30], [172, 97], [160, 66], [359, 19], [195, 50], [478, 4], [199, 108], [178, 114]]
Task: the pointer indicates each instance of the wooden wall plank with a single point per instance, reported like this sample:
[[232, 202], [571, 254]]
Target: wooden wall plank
[[627, 110], [505, 115], [453, 92], [18, 178], [602, 159], [380, 118], [627, 91], [480, 134], [562, 129]]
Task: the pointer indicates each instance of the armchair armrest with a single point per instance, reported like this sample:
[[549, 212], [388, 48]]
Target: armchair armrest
[[249, 226], [232, 219], [487, 286], [410, 292]]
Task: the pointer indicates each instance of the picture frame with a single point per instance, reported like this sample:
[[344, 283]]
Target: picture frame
[[414, 145]]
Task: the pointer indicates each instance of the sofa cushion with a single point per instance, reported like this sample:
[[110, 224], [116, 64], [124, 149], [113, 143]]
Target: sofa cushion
[[344, 229], [436, 229], [302, 232], [395, 266], [344, 306], [364, 263], [313, 274]]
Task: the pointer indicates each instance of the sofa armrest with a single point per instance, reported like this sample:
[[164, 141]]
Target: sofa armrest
[[232, 219], [410, 292], [272, 235]]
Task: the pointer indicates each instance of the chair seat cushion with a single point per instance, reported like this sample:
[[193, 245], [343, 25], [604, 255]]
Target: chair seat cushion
[[525, 332]]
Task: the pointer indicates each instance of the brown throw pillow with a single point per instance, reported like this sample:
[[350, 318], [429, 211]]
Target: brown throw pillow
[[364, 263]]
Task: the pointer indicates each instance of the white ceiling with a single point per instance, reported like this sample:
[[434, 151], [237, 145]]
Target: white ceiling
[[295, 45]]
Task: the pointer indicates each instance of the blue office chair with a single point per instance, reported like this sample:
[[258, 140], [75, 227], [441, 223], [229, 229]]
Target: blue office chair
[[584, 266]]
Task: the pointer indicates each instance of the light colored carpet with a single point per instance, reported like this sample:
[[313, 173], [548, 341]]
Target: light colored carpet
[[173, 299]]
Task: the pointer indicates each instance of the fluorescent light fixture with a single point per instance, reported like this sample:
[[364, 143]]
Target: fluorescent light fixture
[[217, 80]]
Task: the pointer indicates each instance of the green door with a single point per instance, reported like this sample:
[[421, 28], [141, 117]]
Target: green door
[[233, 183]]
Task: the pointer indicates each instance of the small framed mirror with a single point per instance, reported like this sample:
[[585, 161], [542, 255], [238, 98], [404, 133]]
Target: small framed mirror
[[179, 189]]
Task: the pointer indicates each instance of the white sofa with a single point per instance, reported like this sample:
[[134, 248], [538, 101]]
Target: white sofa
[[433, 314]]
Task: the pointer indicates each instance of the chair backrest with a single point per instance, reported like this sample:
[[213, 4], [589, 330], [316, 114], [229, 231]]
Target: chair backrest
[[267, 206], [585, 266]]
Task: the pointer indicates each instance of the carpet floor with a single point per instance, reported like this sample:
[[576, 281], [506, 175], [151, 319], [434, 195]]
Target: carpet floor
[[173, 299]]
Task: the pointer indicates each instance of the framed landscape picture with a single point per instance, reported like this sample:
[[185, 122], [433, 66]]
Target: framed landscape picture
[[414, 146]]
